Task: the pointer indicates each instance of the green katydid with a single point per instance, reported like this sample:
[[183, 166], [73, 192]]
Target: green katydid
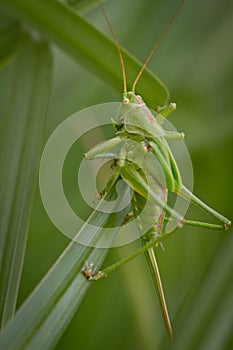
[[145, 162]]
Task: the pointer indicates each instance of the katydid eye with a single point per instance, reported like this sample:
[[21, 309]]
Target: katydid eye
[[126, 101]]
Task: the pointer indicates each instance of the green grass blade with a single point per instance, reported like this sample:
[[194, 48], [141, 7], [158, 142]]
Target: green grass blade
[[42, 319], [87, 45], [21, 142], [9, 37]]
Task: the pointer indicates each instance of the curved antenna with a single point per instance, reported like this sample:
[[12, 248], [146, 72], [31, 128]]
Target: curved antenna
[[117, 46], [157, 44]]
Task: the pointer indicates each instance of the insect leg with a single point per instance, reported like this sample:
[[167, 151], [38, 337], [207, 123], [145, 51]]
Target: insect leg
[[151, 257], [172, 135], [175, 170], [102, 147], [111, 182], [151, 165], [164, 112], [184, 192], [165, 156], [104, 155], [151, 244], [197, 224]]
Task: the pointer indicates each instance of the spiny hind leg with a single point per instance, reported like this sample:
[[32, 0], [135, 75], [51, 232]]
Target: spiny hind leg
[[184, 192], [105, 272]]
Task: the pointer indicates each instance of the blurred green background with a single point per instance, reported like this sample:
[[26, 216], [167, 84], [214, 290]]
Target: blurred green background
[[195, 62]]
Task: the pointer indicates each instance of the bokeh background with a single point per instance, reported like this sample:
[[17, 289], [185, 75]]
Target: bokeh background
[[195, 62]]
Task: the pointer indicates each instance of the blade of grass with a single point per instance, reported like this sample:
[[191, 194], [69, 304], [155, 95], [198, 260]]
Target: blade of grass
[[59, 24], [9, 37], [41, 320], [21, 142]]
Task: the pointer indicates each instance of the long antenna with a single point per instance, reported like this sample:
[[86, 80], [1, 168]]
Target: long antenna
[[157, 44], [117, 45]]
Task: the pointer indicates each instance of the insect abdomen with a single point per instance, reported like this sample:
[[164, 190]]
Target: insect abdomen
[[148, 214]]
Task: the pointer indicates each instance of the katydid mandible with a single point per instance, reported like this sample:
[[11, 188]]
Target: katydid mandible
[[144, 151]]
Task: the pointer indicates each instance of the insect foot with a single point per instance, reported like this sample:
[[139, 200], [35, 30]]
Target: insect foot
[[87, 270], [98, 275], [180, 223], [227, 225]]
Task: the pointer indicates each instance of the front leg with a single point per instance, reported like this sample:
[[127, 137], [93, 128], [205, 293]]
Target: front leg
[[98, 150]]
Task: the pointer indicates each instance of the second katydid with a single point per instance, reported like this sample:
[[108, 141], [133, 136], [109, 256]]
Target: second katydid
[[145, 162]]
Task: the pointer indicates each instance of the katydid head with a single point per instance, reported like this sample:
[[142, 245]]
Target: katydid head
[[131, 98], [130, 101]]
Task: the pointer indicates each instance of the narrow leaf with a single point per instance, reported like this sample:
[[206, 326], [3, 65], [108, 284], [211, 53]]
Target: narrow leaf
[[42, 319], [21, 142]]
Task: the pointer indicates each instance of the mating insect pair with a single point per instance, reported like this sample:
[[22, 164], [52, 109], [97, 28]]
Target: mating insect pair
[[145, 162]]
